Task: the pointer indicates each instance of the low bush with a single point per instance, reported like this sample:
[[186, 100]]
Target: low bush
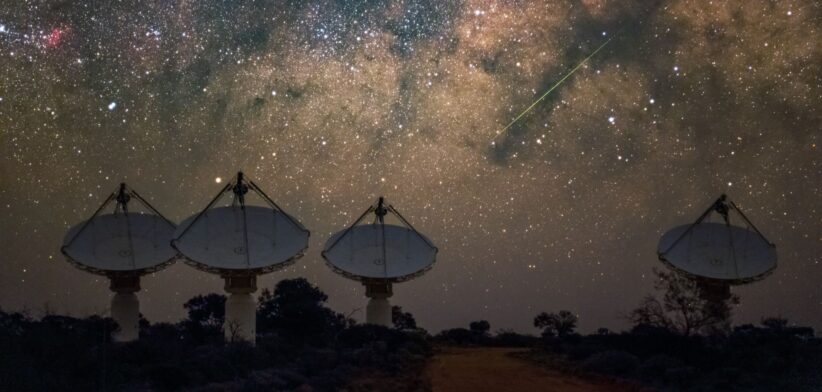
[[612, 363], [56, 351]]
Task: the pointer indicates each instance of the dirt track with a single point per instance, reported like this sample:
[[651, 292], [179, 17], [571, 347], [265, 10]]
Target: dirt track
[[494, 369]]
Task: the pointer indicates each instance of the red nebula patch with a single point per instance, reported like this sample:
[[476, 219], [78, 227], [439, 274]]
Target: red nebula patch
[[55, 37]]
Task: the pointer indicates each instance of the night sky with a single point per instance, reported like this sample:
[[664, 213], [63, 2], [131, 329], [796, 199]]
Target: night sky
[[328, 105]]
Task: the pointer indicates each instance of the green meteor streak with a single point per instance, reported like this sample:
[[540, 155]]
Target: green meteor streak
[[571, 72]]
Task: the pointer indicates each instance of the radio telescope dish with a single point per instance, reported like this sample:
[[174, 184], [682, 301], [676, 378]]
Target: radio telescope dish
[[121, 242], [241, 238], [378, 255], [719, 251], [380, 251], [122, 245], [239, 242]]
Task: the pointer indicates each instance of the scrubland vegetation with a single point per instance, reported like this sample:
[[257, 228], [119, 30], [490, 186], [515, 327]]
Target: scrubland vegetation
[[678, 342]]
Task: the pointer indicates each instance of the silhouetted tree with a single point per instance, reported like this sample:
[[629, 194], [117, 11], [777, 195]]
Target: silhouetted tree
[[556, 324], [206, 314], [686, 307], [402, 320], [206, 310], [774, 323], [480, 327], [297, 308]]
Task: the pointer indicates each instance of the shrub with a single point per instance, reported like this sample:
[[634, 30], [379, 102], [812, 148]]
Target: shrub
[[457, 336], [402, 320], [681, 375], [612, 363], [654, 369], [508, 338], [480, 327], [556, 324], [296, 309]]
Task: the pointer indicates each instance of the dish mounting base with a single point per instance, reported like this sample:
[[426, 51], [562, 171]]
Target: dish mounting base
[[240, 309], [378, 311], [125, 307]]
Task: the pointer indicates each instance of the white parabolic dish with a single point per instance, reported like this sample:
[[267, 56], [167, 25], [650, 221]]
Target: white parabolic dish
[[359, 254], [106, 244], [718, 251], [217, 240]]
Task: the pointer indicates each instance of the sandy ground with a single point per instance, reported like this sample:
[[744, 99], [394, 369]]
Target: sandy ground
[[494, 369]]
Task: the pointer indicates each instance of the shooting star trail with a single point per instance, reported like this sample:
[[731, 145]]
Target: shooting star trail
[[557, 84]]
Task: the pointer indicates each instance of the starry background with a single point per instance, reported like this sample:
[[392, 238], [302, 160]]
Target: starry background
[[329, 104]]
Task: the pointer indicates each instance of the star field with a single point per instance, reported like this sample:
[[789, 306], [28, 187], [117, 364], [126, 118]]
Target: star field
[[329, 104]]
